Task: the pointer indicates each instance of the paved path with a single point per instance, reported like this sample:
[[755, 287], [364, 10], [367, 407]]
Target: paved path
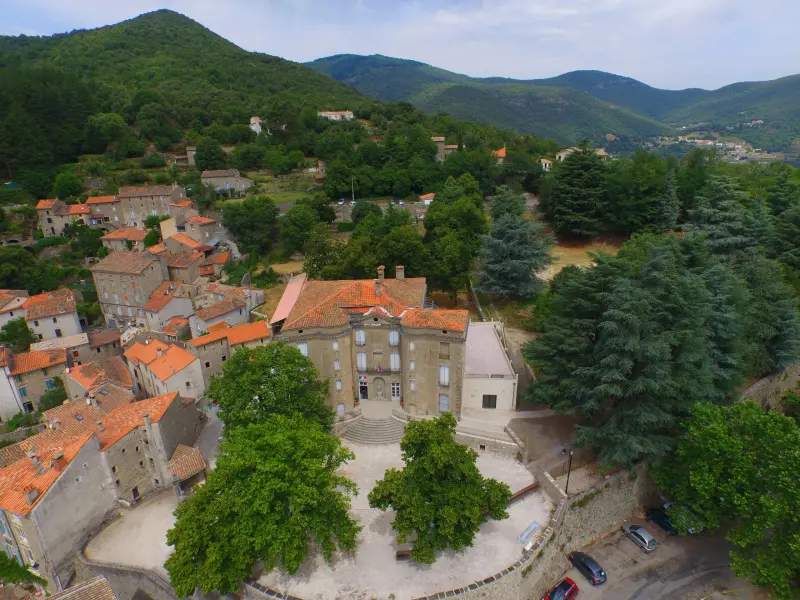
[[208, 440]]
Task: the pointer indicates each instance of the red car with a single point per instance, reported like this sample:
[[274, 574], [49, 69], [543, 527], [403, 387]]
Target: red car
[[566, 590]]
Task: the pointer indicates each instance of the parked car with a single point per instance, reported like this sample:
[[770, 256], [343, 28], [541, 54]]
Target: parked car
[[401, 203], [684, 517], [660, 517], [341, 202], [588, 567], [565, 590], [352, 202], [640, 536]]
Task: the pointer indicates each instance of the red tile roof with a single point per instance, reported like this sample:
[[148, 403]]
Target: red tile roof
[[43, 204], [96, 588], [123, 261], [428, 196], [450, 320], [101, 337], [161, 296], [500, 153], [102, 200], [182, 203], [330, 303], [157, 249], [183, 260], [200, 220], [174, 325], [50, 304], [136, 192], [174, 360], [145, 352], [186, 462], [221, 308], [108, 369], [184, 239], [241, 334], [78, 209], [218, 259], [121, 421], [218, 327], [38, 359], [126, 233]]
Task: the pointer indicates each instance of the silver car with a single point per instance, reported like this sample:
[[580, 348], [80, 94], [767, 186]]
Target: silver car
[[640, 536]]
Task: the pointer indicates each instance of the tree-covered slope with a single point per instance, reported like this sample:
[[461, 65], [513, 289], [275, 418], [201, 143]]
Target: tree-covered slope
[[195, 70]]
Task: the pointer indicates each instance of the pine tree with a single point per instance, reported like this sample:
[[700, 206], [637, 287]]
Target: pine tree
[[720, 217], [506, 201], [787, 237], [512, 256], [782, 193], [761, 226], [669, 207], [577, 200]]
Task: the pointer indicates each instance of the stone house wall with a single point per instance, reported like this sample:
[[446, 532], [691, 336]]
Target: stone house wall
[[131, 464], [122, 296]]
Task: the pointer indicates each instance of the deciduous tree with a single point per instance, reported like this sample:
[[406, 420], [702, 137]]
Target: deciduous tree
[[253, 223], [440, 495], [273, 493], [17, 335], [296, 227]]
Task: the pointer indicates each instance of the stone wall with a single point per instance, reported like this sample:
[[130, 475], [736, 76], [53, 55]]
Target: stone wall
[[20, 434], [487, 444]]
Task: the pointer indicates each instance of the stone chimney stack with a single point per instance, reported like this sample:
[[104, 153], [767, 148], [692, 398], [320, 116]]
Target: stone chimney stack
[[400, 273], [159, 351], [381, 269], [93, 399], [100, 426], [31, 454], [378, 287], [146, 419], [31, 494]]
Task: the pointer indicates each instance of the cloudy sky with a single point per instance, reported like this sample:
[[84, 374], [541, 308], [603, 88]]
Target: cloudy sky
[[666, 43]]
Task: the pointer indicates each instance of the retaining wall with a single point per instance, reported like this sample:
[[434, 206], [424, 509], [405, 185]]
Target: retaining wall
[[20, 434], [769, 390]]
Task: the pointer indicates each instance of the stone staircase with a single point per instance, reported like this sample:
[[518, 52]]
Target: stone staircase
[[375, 431]]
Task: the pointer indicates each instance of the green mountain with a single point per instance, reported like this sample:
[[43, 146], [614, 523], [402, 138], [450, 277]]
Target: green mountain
[[552, 111], [195, 70], [579, 103]]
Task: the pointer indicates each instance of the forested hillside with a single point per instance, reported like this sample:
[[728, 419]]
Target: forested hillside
[[596, 101]]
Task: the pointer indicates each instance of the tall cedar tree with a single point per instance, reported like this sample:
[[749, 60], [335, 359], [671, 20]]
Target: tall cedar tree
[[506, 201], [577, 200], [273, 493], [440, 496], [257, 383], [787, 236], [739, 465], [512, 256], [669, 207]]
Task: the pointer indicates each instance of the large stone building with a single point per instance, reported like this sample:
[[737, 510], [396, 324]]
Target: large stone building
[[159, 368], [54, 216], [125, 238], [216, 347], [82, 380], [85, 347], [50, 315], [26, 376], [171, 299], [376, 341], [57, 486], [138, 203], [125, 281], [225, 179]]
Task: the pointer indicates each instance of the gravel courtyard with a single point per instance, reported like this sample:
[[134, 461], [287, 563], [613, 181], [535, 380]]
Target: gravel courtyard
[[375, 573]]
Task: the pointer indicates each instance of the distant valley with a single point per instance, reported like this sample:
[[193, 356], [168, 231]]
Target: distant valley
[[581, 104]]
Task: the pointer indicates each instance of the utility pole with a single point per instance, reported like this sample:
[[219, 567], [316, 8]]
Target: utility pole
[[569, 470], [352, 189]]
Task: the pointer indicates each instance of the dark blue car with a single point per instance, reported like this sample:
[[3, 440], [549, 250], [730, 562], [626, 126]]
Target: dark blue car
[[588, 567]]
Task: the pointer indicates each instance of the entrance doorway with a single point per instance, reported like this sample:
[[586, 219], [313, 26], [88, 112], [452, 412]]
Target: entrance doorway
[[135, 492], [340, 409], [363, 391]]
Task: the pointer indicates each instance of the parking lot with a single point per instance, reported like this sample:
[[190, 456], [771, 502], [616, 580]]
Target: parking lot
[[681, 568]]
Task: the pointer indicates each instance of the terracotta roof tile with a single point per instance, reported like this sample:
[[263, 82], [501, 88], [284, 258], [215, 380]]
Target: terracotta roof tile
[[50, 304], [500, 152], [44, 204], [329, 303], [200, 220], [220, 258], [108, 369], [131, 263], [161, 296], [186, 462], [220, 173], [78, 209], [428, 196], [174, 325], [102, 200], [218, 327], [96, 588], [145, 353], [33, 361], [136, 192], [241, 334], [74, 418], [121, 421], [101, 337], [182, 203], [452, 320], [174, 360], [126, 233], [184, 239], [183, 260], [221, 308], [157, 249]]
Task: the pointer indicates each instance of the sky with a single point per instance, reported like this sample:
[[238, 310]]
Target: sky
[[670, 44]]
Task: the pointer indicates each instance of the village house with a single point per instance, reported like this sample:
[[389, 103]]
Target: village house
[[55, 215], [376, 342], [26, 376], [159, 368], [216, 292], [232, 310], [215, 264], [490, 383], [177, 328], [222, 341], [547, 164], [336, 115], [182, 209], [125, 238], [171, 299], [138, 203], [255, 125], [124, 282], [58, 485], [50, 315], [85, 347], [225, 179], [180, 242], [500, 155], [96, 588], [105, 212], [81, 380], [200, 229], [184, 267]]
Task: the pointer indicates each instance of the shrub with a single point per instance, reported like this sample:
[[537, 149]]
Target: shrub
[[344, 226], [152, 161], [22, 420]]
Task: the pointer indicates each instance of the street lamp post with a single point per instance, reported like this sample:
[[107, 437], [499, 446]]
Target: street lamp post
[[569, 470]]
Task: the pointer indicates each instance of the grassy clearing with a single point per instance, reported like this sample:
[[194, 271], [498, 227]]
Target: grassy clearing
[[293, 267], [279, 197], [576, 253], [443, 300], [271, 298]]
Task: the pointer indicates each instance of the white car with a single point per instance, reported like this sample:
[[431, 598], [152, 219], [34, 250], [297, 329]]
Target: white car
[[401, 203], [352, 202], [341, 202]]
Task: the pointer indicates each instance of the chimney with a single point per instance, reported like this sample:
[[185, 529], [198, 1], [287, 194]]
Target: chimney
[[400, 273], [381, 269], [31, 494], [159, 351], [58, 461], [32, 455], [93, 399], [146, 418], [100, 426], [378, 287]]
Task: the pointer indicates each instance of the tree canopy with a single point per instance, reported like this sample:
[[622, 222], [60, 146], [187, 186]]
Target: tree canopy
[[273, 493], [253, 223], [257, 383], [440, 495], [17, 335]]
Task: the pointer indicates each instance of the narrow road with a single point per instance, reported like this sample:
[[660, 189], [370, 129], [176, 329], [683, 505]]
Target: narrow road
[[208, 440]]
